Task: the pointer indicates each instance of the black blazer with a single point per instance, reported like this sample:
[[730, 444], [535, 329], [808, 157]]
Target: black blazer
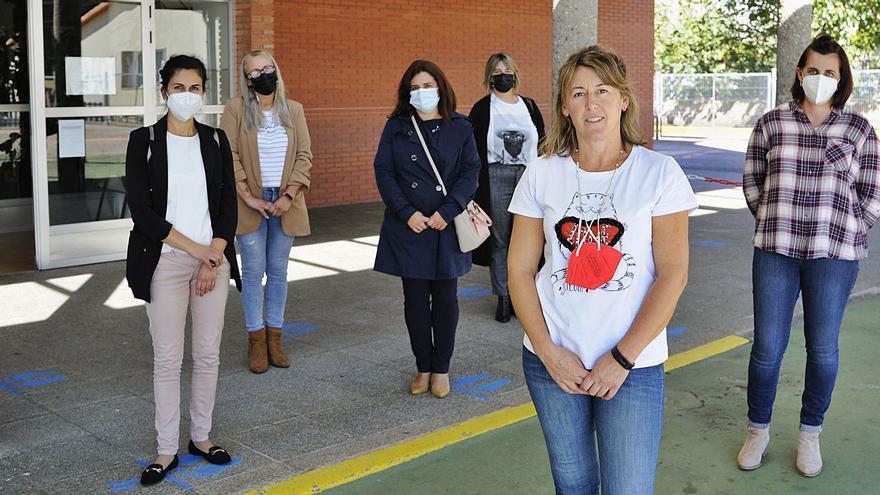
[[147, 194], [479, 118]]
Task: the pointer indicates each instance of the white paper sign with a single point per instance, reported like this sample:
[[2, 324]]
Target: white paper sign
[[71, 138], [90, 75]]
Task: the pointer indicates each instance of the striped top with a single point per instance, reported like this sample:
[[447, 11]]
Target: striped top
[[272, 146], [814, 192]]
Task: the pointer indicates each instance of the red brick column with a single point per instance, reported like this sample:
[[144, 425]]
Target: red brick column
[[254, 26], [627, 27]]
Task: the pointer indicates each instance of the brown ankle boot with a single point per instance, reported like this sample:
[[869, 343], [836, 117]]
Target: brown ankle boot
[[276, 350], [257, 360]]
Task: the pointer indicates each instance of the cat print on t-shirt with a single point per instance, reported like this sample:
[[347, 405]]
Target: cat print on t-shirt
[[609, 232]]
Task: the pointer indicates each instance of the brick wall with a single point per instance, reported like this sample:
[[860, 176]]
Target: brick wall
[[627, 27], [254, 25], [343, 59]]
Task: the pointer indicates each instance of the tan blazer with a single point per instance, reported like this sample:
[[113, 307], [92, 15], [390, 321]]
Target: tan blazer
[[246, 160]]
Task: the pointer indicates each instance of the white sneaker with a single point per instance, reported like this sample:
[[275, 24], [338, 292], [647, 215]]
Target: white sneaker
[[809, 458], [752, 452]]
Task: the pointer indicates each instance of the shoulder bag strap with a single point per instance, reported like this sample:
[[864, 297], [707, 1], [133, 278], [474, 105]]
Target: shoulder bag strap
[[428, 152], [150, 144]]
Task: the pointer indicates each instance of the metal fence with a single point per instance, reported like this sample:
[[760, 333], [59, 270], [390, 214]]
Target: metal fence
[[738, 99]]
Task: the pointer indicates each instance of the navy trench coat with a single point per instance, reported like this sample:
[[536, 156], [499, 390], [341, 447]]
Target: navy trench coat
[[407, 184]]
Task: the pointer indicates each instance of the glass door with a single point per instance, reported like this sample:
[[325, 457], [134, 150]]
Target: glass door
[[16, 187], [96, 71], [88, 69], [203, 29]]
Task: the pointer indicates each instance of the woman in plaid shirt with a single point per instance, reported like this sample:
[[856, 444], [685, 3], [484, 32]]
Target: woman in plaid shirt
[[812, 181]]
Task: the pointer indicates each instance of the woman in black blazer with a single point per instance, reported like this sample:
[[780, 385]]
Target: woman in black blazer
[[508, 128], [181, 193]]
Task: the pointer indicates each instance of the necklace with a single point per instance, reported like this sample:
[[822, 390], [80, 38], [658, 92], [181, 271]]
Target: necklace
[[583, 238]]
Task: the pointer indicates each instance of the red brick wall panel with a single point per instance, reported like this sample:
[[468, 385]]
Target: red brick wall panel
[[627, 27], [343, 60]]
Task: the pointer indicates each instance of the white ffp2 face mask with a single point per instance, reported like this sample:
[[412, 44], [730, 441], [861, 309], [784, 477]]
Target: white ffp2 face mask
[[818, 88], [184, 105]]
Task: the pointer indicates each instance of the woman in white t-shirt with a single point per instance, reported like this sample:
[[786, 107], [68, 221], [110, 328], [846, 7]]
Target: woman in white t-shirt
[[508, 127], [611, 219]]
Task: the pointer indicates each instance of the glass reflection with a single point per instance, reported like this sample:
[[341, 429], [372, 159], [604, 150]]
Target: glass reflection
[[90, 187]]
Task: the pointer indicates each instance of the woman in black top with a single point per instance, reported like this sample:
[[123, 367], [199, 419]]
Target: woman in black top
[[508, 128], [181, 192]]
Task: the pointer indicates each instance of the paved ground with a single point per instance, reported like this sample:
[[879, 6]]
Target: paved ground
[[75, 359], [702, 434]]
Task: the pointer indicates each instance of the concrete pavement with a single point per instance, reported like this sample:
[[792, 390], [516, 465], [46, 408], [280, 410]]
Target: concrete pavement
[[75, 359]]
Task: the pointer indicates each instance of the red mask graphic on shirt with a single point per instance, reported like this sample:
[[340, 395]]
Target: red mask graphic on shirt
[[593, 265]]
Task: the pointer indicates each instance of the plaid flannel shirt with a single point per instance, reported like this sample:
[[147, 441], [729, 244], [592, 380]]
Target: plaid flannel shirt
[[814, 192]]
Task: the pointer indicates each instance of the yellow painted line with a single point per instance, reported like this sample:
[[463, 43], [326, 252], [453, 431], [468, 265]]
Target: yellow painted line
[[704, 351], [344, 472], [322, 479]]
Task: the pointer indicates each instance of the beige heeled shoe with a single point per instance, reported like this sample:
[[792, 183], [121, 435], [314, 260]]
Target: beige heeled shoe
[[416, 388], [440, 391]]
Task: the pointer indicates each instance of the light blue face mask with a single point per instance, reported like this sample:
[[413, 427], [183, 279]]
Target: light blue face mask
[[424, 100]]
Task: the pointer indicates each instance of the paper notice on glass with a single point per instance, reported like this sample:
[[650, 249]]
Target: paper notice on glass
[[71, 138], [90, 75]]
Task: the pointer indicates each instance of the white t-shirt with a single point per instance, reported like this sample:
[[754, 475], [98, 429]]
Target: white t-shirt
[[187, 207], [512, 137], [648, 184], [272, 147]]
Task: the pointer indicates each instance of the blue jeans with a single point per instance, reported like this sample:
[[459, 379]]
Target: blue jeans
[[264, 251], [825, 285], [625, 430]]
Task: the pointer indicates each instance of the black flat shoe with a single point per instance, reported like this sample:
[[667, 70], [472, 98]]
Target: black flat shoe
[[214, 455], [502, 311], [156, 473]]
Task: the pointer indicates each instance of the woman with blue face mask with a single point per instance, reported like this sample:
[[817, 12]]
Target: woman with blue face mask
[[181, 192], [417, 241], [812, 182]]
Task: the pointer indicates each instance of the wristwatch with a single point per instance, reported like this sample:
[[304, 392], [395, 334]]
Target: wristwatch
[[621, 359], [289, 196]]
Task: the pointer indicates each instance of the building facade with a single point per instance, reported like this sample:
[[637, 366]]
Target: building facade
[[94, 66]]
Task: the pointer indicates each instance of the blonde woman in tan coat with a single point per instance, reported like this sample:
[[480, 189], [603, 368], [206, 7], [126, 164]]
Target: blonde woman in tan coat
[[271, 151]]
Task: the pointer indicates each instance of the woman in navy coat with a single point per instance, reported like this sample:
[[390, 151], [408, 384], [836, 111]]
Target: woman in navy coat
[[418, 241]]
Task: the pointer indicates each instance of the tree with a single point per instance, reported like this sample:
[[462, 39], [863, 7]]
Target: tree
[[856, 24], [715, 36], [740, 35]]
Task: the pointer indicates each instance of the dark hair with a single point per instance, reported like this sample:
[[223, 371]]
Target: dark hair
[[447, 96], [181, 62], [824, 44]]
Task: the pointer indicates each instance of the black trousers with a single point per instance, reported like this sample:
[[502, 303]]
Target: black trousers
[[430, 308]]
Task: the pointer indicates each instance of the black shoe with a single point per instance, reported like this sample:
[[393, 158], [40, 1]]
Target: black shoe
[[214, 455], [156, 473], [502, 311]]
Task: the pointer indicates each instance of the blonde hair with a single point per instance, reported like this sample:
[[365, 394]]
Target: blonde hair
[[253, 114], [490, 68], [562, 138]]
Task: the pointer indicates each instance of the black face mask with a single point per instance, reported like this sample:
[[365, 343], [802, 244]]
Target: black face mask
[[503, 82], [265, 84]]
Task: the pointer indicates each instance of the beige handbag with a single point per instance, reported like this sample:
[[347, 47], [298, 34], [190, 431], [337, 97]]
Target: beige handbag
[[471, 225]]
